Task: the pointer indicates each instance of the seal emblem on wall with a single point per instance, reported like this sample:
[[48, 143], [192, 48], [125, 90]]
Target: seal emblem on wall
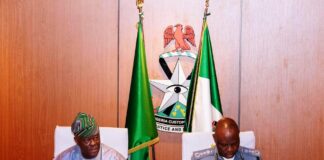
[[179, 45]]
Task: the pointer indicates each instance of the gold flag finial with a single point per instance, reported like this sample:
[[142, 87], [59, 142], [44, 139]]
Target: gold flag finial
[[206, 9], [139, 4]]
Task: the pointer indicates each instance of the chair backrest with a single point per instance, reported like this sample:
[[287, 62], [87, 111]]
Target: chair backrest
[[116, 138], [202, 140]]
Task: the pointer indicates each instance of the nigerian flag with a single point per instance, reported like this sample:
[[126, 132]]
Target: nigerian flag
[[140, 116], [203, 105]]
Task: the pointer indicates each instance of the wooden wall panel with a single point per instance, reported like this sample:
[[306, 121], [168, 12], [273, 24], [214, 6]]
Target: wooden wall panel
[[57, 58], [224, 25], [61, 57], [4, 81], [283, 78]]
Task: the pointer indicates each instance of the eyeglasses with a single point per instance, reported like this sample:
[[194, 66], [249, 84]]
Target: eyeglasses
[[89, 140]]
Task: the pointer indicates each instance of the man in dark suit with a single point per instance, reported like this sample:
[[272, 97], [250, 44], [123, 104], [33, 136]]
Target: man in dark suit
[[227, 142]]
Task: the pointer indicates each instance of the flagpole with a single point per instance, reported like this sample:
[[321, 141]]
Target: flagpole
[[195, 77], [139, 4], [153, 152]]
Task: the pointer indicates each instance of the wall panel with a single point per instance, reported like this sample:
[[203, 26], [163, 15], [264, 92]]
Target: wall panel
[[283, 78], [61, 57], [224, 25], [57, 58]]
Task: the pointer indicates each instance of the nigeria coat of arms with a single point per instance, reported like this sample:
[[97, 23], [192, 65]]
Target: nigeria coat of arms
[[179, 43]]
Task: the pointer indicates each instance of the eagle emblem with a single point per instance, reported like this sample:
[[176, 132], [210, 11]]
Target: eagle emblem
[[181, 38], [179, 43]]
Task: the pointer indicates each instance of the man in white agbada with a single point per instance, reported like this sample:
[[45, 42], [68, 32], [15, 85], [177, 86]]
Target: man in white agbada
[[88, 145]]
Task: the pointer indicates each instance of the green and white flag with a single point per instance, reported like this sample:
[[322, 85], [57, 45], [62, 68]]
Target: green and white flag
[[203, 104], [140, 120]]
